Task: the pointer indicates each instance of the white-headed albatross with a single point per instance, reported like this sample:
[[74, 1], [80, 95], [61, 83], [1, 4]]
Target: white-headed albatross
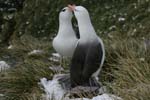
[[66, 40], [89, 54]]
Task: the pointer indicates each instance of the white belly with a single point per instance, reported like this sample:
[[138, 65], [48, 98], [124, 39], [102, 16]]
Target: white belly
[[65, 46]]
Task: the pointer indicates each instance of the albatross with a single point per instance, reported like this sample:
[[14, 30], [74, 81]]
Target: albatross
[[89, 53], [66, 39]]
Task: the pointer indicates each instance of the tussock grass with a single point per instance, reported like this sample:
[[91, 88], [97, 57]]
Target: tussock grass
[[21, 81], [127, 67], [125, 71]]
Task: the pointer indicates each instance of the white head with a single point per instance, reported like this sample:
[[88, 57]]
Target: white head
[[65, 14], [80, 12], [84, 21], [65, 23]]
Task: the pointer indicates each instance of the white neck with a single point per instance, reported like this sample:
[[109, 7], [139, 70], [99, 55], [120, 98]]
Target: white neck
[[65, 28], [86, 28]]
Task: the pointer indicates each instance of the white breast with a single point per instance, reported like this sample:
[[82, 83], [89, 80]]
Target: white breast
[[65, 46]]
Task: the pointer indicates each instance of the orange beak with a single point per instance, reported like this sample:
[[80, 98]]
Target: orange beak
[[71, 7]]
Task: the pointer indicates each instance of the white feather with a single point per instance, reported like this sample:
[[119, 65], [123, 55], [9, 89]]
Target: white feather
[[65, 42]]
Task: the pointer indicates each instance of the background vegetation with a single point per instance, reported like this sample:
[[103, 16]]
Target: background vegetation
[[124, 26]]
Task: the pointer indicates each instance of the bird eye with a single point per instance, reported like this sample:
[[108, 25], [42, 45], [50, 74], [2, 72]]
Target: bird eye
[[76, 10], [63, 10]]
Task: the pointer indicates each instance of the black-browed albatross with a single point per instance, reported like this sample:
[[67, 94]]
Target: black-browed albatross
[[66, 40], [89, 54]]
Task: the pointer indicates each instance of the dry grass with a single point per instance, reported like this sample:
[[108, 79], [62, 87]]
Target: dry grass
[[127, 67], [125, 72], [21, 81]]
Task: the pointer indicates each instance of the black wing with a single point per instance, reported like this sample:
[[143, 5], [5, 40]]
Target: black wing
[[77, 32], [93, 60], [77, 64]]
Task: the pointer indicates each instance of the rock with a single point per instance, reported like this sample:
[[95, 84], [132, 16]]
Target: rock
[[3, 66], [106, 97], [34, 52]]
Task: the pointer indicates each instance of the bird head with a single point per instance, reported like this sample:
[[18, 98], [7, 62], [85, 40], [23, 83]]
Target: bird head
[[65, 14], [79, 11]]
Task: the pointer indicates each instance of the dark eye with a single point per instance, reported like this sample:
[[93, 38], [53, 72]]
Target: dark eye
[[76, 10], [63, 10]]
